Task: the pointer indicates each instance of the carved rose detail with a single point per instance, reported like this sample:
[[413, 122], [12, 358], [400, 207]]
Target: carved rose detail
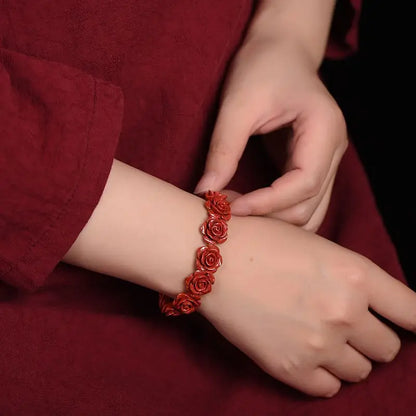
[[208, 258], [199, 282], [217, 205], [165, 305], [186, 303], [214, 230]]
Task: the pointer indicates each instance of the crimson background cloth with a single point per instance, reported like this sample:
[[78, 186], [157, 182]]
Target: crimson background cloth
[[82, 82]]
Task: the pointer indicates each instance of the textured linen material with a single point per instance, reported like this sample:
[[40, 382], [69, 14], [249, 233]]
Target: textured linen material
[[82, 82]]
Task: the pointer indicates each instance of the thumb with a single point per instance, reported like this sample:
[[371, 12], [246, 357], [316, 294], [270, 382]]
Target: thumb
[[228, 142]]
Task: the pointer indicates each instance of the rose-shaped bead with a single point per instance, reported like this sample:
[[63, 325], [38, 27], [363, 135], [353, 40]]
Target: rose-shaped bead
[[199, 282], [166, 307], [186, 303], [214, 230], [217, 205], [208, 258]]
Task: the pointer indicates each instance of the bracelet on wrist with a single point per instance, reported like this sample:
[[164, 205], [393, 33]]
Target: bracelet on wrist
[[208, 258]]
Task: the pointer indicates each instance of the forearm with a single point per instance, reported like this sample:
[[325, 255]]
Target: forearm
[[294, 23], [143, 230]]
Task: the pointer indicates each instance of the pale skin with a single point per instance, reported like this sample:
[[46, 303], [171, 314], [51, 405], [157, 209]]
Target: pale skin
[[273, 82], [295, 303]]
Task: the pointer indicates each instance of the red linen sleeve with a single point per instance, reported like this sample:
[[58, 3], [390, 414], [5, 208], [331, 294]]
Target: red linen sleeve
[[59, 128]]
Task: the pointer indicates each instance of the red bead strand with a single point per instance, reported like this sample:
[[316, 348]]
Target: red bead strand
[[208, 258]]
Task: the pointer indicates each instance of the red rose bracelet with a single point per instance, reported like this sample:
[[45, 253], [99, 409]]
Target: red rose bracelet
[[208, 258]]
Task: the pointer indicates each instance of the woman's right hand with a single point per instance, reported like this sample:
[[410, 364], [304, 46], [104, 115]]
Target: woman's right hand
[[300, 305]]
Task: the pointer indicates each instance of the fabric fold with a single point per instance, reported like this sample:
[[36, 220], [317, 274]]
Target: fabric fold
[[59, 128]]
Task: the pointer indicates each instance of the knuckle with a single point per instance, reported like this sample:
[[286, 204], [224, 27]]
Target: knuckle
[[341, 314], [354, 273], [316, 343], [356, 277]]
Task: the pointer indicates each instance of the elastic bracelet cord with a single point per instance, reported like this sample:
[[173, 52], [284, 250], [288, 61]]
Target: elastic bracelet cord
[[208, 258]]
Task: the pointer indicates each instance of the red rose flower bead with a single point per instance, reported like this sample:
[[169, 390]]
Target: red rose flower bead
[[165, 305], [186, 303], [199, 282], [208, 258], [217, 205], [214, 230]]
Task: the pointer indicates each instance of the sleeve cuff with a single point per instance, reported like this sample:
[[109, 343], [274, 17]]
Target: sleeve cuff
[[89, 172]]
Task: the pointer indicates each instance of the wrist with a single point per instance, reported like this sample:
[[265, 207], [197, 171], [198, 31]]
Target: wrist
[[290, 50], [304, 25], [208, 259], [143, 230]]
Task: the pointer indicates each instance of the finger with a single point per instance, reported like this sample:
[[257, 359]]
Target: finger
[[349, 365], [310, 162], [228, 141], [374, 339], [231, 195], [286, 191], [391, 298], [310, 213], [318, 216], [318, 382], [298, 214], [315, 221]]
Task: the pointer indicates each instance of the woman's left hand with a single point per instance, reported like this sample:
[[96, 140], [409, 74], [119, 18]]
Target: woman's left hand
[[270, 86]]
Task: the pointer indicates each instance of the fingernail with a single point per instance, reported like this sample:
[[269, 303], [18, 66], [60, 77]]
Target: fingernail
[[206, 183]]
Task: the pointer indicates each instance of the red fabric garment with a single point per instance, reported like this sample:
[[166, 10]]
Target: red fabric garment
[[51, 135], [82, 82], [343, 38]]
